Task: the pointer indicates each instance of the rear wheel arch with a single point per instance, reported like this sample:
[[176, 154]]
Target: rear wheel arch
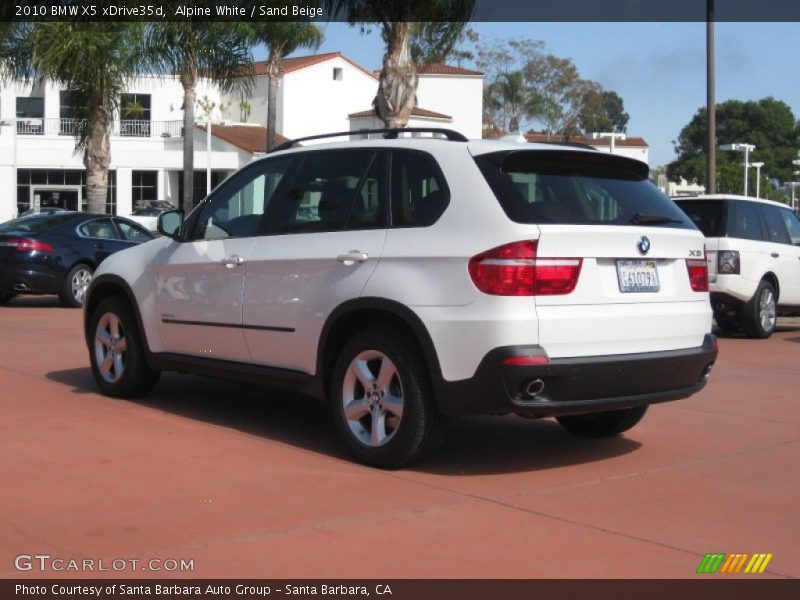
[[354, 316], [773, 280]]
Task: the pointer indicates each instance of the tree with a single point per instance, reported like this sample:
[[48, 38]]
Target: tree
[[434, 24], [510, 100], [93, 61], [768, 123], [559, 91], [281, 39], [603, 110], [189, 50]]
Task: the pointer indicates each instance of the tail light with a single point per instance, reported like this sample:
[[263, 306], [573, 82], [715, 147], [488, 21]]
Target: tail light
[[25, 245], [698, 272], [728, 262], [515, 270]]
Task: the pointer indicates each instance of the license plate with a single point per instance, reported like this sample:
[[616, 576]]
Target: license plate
[[637, 276]]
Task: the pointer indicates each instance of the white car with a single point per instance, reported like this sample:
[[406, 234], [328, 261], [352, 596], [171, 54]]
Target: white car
[[146, 213], [407, 280], [753, 259]]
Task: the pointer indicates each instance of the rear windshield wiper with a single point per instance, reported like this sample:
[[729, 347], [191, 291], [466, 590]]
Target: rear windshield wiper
[[640, 219]]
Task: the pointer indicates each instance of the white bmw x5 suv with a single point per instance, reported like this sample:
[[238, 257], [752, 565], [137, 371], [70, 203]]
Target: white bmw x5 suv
[[407, 280]]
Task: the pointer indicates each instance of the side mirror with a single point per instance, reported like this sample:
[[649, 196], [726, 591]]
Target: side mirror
[[169, 223]]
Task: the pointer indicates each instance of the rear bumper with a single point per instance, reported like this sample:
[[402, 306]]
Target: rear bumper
[[577, 385], [22, 279]]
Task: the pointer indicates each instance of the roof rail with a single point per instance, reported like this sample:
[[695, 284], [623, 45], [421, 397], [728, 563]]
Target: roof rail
[[388, 133]]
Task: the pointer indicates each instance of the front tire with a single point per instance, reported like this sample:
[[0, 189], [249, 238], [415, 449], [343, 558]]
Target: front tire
[[603, 424], [760, 314], [117, 351], [77, 281], [382, 400]]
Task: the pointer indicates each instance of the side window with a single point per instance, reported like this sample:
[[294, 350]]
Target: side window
[[132, 233], [744, 222], [419, 193], [98, 228], [792, 225], [333, 191], [237, 209], [776, 228]]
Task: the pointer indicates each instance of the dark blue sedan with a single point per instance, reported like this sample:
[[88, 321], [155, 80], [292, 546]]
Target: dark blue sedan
[[57, 252]]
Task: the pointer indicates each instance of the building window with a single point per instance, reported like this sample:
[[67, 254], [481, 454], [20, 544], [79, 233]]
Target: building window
[[31, 110], [135, 115], [53, 179], [67, 113], [199, 185], [144, 187], [337, 74]]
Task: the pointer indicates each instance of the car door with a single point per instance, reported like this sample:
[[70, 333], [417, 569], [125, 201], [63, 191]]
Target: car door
[[132, 232], [792, 295], [783, 254], [101, 239], [200, 280], [326, 240]]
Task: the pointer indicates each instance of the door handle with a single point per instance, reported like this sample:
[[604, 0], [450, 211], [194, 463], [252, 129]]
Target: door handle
[[98, 246], [232, 261], [352, 257], [774, 255]]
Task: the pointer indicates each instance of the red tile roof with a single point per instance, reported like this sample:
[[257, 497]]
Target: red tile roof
[[296, 63], [440, 69], [415, 112], [631, 142], [250, 138]]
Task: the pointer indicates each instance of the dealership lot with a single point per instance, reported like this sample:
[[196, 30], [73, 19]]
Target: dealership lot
[[247, 482]]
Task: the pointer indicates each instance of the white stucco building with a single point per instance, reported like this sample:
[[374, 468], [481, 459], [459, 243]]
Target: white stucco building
[[316, 94], [631, 146]]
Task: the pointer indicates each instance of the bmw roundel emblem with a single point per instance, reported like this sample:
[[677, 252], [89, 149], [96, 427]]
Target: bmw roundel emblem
[[643, 244]]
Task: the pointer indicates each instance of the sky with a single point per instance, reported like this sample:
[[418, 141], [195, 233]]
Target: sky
[[657, 68]]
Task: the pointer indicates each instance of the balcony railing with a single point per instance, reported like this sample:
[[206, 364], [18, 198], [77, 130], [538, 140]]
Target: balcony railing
[[123, 128]]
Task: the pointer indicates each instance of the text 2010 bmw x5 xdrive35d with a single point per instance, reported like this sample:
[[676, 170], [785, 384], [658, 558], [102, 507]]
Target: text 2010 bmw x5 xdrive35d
[[408, 280]]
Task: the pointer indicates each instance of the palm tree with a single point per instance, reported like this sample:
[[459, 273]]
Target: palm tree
[[401, 22], [93, 61], [281, 39], [191, 50]]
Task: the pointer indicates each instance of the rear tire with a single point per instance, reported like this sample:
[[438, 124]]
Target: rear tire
[[382, 400], [116, 351], [73, 291], [4, 298], [760, 314], [728, 325], [603, 424]]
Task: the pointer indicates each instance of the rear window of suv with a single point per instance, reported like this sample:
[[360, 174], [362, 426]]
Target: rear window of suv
[[582, 188], [707, 215]]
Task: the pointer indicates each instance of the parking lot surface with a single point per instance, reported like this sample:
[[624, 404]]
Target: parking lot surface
[[247, 482]]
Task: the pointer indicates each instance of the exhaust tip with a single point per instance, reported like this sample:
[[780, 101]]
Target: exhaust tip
[[532, 388]]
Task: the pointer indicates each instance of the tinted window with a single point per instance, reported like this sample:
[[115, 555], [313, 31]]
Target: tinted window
[[792, 225], [37, 223], [707, 215], [336, 190], [776, 228], [580, 188], [132, 232], [744, 222], [419, 193], [237, 208], [98, 228]]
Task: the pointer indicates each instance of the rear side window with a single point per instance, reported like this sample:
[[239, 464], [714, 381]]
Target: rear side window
[[333, 191], [577, 188], [776, 228], [133, 233], [744, 222], [707, 215], [419, 193], [98, 228]]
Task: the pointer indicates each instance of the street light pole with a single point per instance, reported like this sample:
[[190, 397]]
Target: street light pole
[[747, 149], [758, 166], [711, 103], [611, 135]]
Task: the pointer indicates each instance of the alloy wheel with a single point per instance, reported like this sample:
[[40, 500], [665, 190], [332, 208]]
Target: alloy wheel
[[110, 346], [81, 279], [766, 309], [372, 398]]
